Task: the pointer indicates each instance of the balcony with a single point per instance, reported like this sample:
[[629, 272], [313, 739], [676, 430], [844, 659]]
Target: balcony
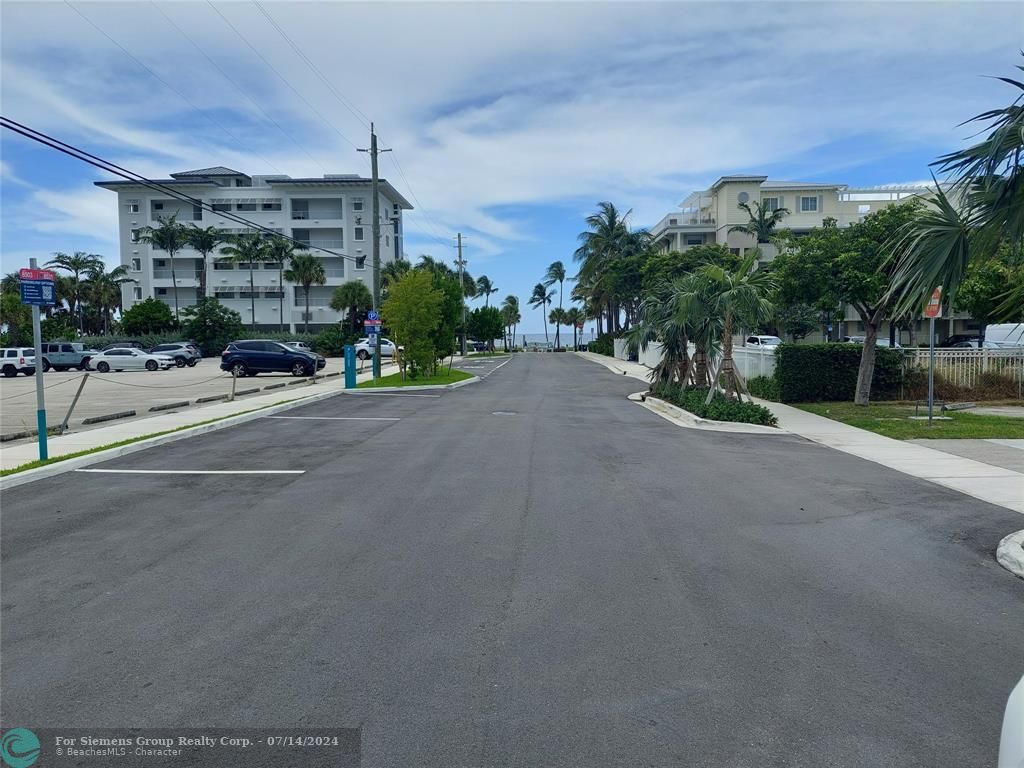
[[180, 274], [323, 243]]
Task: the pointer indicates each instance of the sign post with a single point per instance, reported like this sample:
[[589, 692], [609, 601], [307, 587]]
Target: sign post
[[932, 310], [350, 367], [37, 290]]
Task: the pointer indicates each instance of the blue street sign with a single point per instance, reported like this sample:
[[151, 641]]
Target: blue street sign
[[373, 314], [373, 330], [350, 367], [39, 293]]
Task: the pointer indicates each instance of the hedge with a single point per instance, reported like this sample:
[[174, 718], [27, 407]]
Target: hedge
[[828, 372], [603, 345], [765, 387], [721, 408]]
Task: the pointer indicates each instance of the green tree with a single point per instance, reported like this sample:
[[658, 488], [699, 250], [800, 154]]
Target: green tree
[[149, 316], [104, 291], [540, 299], [247, 250], [279, 251], [574, 317], [171, 237], [762, 221], [799, 320], [511, 317], [17, 317], [557, 318], [352, 297], [485, 323], [660, 320], [391, 272], [556, 274], [305, 270], [412, 312], [986, 283], [204, 241], [78, 264], [603, 241], [485, 288], [211, 325]]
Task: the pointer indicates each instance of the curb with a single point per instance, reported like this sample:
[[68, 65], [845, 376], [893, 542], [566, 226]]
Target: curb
[[1010, 553], [169, 406], [414, 388], [678, 416], [108, 417]]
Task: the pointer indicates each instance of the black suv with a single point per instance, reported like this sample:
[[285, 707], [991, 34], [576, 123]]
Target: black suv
[[247, 358]]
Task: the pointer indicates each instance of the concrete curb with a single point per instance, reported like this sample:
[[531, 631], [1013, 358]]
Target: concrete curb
[[683, 418], [169, 406], [69, 465], [1010, 553], [108, 417], [414, 388]]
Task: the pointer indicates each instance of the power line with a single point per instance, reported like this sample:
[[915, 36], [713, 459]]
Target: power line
[[167, 85], [237, 87], [117, 170], [281, 77]]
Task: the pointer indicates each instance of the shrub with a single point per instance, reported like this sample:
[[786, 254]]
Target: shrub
[[988, 386], [817, 372], [211, 325], [765, 387], [603, 345], [331, 342], [721, 408], [149, 316]]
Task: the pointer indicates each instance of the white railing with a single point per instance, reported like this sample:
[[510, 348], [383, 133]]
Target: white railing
[[963, 366]]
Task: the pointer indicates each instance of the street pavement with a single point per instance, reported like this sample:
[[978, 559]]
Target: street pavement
[[526, 571]]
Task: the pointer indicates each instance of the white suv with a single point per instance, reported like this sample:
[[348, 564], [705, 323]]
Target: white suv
[[364, 349], [15, 360], [764, 342]]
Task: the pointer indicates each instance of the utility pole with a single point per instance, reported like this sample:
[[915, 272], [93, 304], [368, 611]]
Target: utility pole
[[462, 263], [375, 233]]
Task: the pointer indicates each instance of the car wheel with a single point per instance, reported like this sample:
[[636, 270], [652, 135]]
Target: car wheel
[[151, 365], [299, 368], [85, 364], [103, 367], [60, 368], [238, 369], [10, 371], [46, 365], [180, 362], [192, 363], [29, 371], [362, 354]]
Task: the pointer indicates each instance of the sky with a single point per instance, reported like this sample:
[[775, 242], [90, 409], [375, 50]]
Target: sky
[[508, 122]]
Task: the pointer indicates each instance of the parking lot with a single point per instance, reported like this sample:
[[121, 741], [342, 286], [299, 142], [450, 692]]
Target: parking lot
[[110, 393]]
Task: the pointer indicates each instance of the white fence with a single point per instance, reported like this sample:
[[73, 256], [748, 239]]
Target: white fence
[[963, 366]]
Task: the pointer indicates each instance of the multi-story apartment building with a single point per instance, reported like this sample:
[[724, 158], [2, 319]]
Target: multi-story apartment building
[[333, 213], [706, 216]]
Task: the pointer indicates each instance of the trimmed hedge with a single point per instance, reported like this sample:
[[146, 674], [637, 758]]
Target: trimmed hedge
[[603, 345], [765, 387], [721, 408], [825, 372]]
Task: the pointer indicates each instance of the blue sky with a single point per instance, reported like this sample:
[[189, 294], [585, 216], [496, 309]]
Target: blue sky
[[509, 120]]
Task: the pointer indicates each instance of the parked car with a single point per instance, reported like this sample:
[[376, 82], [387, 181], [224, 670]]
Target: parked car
[[125, 345], [182, 352], [880, 342], [364, 349], [300, 345], [1011, 743], [250, 357], [763, 342], [956, 338], [61, 355], [125, 359], [15, 360]]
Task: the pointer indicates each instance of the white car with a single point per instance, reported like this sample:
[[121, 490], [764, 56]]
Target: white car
[[15, 360], [130, 360], [1011, 745], [364, 349], [764, 342], [300, 345]]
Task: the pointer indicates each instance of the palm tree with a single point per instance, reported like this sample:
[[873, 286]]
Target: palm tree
[[170, 236], [555, 274], [204, 241], [351, 297], [78, 264], [763, 221], [660, 320], [246, 249], [305, 270], [278, 251], [485, 288], [574, 316], [731, 294], [392, 272], [539, 299], [104, 291], [510, 314], [557, 318], [603, 241]]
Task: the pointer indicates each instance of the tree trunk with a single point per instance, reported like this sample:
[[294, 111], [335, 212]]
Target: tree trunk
[[280, 297], [252, 297], [543, 317], [305, 317], [982, 325], [700, 367], [174, 282], [866, 371], [202, 278]]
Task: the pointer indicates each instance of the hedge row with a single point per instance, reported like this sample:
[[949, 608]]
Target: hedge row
[[721, 408], [828, 372], [603, 345], [764, 387]]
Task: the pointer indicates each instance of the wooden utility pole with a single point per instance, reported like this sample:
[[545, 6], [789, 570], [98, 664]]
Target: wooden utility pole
[[375, 233]]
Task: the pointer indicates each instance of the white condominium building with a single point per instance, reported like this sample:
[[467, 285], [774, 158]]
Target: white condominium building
[[333, 212]]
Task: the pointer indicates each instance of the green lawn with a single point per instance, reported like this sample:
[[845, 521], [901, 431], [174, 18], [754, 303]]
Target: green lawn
[[486, 354], [890, 419], [444, 376]]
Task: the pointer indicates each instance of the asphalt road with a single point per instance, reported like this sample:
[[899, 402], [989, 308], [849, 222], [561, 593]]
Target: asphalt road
[[528, 571]]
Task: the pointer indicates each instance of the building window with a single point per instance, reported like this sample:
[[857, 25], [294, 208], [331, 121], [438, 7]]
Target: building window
[[221, 206], [734, 251], [197, 212], [673, 222], [271, 206], [134, 235], [770, 203], [395, 209], [246, 207], [133, 206], [694, 240], [862, 209], [243, 182], [159, 263], [136, 264], [387, 239], [158, 206], [137, 293], [219, 266], [360, 262], [357, 203], [161, 291], [808, 204], [357, 234]]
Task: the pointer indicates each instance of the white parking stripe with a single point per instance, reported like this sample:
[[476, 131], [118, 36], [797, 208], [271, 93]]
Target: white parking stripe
[[196, 471], [339, 418]]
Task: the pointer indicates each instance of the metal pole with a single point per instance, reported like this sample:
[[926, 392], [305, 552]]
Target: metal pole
[[234, 381], [67, 417], [37, 338], [931, 367], [461, 264]]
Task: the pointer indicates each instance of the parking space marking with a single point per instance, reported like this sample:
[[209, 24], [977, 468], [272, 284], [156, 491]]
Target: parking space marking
[[196, 471], [339, 418]]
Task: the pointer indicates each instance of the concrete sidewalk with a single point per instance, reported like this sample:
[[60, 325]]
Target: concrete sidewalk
[[74, 442], [988, 482]]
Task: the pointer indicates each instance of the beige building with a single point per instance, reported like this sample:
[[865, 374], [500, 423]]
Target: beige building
[[706, 216]]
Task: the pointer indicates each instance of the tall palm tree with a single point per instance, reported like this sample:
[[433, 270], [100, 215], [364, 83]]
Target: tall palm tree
[[603, 241], [392, 272], [204, 241], [574, 316], [278, 251], [485, 288], [104, 291], [762, 223], [539, 299], [732, 294], [246, 249], [510, 314], [557, 318], [660, 320], [555, 274], [170, 236], [305, 270], [351, 297], [79, 263]]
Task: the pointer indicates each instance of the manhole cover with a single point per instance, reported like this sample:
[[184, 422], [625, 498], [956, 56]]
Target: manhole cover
[[503, 413]]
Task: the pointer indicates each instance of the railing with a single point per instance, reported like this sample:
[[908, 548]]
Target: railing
[[329, 214], [323, 243], [963, 367], [300, 214], [180, 274]]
